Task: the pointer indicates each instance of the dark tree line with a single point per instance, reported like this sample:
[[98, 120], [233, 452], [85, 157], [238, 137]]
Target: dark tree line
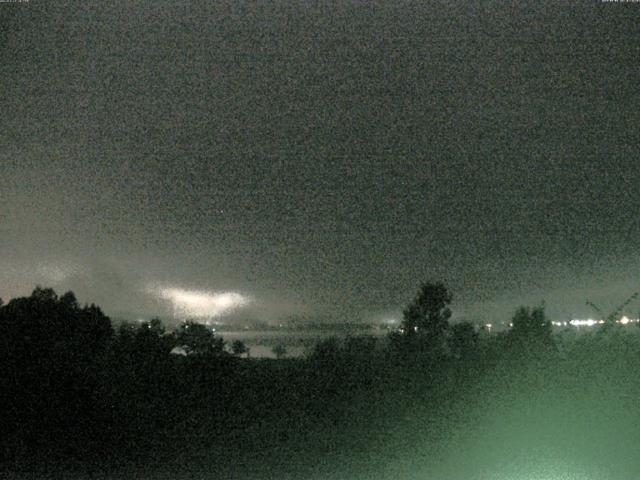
[[73, 386]]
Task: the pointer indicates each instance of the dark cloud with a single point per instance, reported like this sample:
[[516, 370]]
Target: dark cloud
[[323, 158]]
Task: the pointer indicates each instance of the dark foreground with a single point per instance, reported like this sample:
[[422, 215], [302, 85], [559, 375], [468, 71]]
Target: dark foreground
[[488, 407]]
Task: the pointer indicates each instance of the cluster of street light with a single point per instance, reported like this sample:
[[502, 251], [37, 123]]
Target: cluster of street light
[[590, 322], [577, 322]]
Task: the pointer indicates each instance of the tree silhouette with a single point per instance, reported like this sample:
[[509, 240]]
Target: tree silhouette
[[428, 313], [49, 325], [425, 322], [150, 343], [463, 342], [51, 355], [239, 348], [326, 351], [280, 351], [198, 339], [531, 329], [359, 348]]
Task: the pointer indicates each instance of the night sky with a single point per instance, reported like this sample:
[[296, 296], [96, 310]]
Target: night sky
[[321, 159]]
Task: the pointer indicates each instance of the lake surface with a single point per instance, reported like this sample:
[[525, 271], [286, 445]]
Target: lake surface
[[297, 343]]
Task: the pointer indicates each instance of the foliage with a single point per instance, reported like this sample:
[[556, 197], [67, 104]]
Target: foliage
[[463, 341], [325, 351], [531, 325], [360, 347], [425, 324], [74, 389], [52, 351], [239, 348], [144, 343], [428, 314], [198, 339], [279, 350]]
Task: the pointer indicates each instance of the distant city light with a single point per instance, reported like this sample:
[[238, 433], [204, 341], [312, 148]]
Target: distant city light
[[580, 323], [590, 322], [577, 322]]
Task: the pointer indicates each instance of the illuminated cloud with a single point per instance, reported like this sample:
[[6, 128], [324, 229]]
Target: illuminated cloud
[[202, 304], [55, 273]]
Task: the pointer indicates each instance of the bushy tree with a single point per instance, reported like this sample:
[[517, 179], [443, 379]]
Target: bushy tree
[[46, 324], [239, 348], [325, 351], [150, 341], [51, 354], [359, 348], [531, 333], [280, 350], [198, 339], [463, 341], [425, 323], [531, 324], [428, 314]]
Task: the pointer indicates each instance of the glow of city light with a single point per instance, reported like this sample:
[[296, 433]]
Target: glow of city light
[[202, 304], [583, 323]]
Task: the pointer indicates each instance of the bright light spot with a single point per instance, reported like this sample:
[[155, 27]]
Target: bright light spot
[[583, 323], [193, 303], [624, 320]]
